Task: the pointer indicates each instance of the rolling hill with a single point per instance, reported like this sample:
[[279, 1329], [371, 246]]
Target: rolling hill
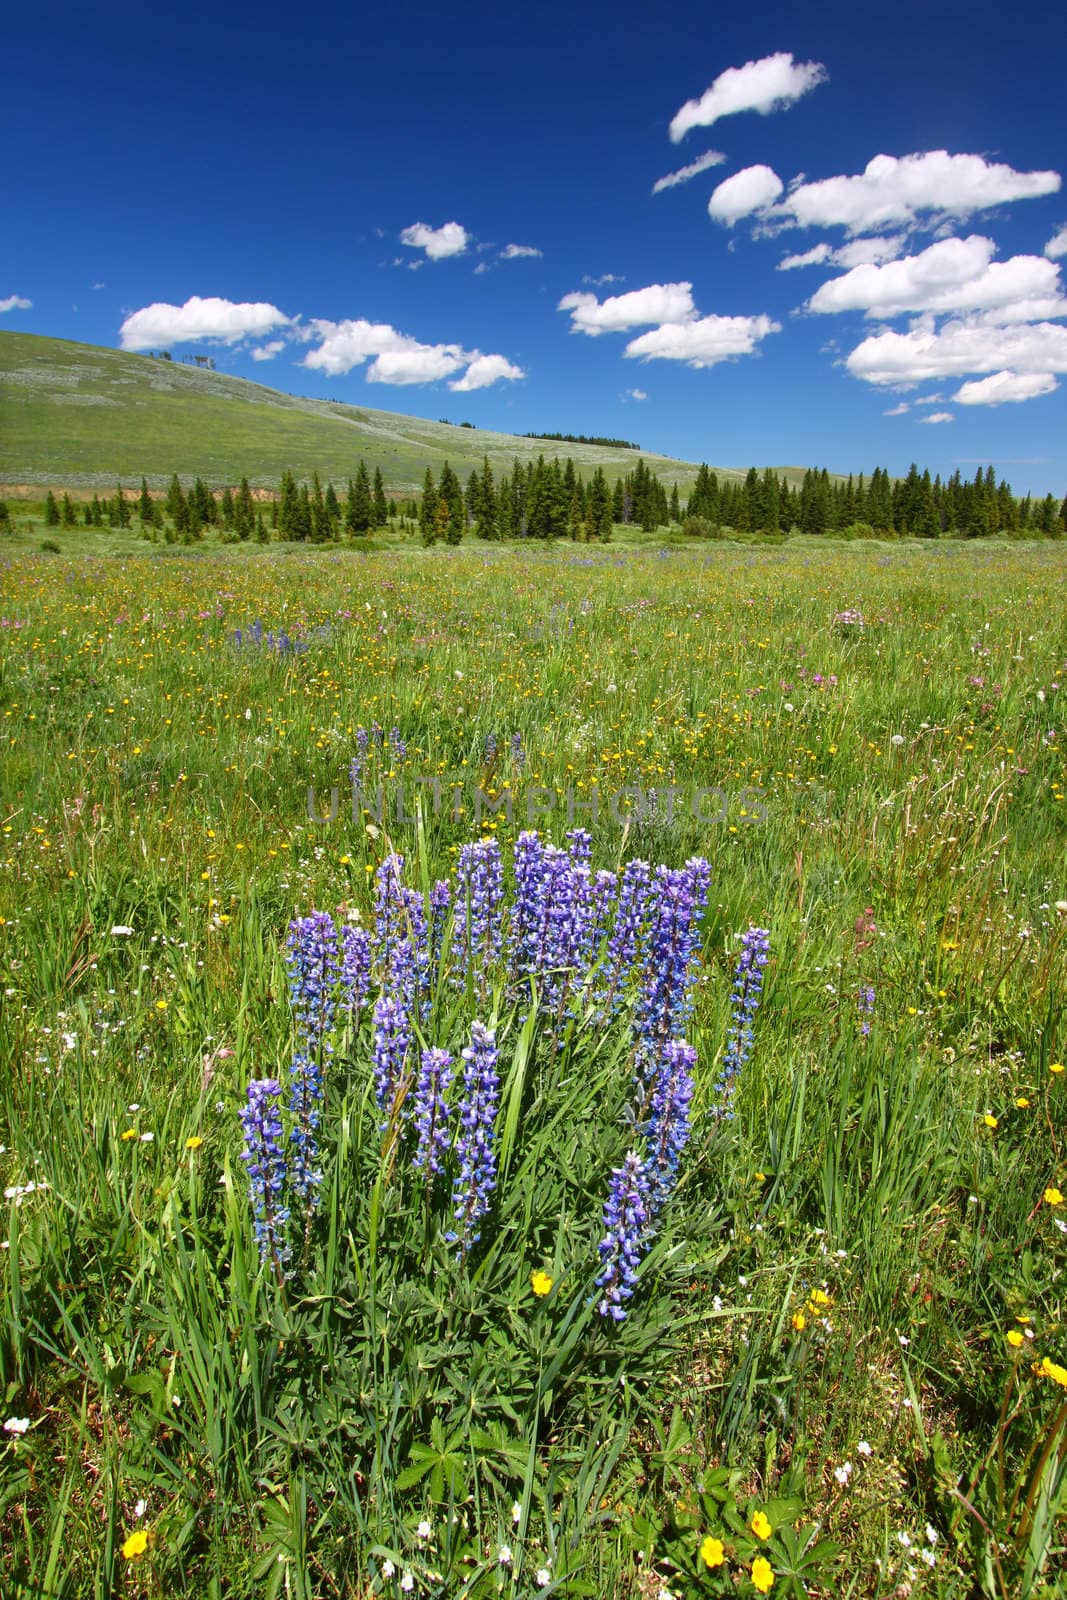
[[76, 415]]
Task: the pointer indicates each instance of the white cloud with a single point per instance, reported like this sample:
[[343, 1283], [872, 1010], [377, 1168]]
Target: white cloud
[[635, 394], [99, 285], [950, 276], [199, 320], [400, 359], [769, 84], [895, 191], [857, 253], [1057, 245], [417, 363], [267, 352], [604, 280], [486, 370], [808, 258], [514, 252], [750, 190], [938, 416], [1004, 386], [927, 399], [659, 302], [451, 239], [712, 158], [15, 302], [897, 411], [957, 350], [702, 343]]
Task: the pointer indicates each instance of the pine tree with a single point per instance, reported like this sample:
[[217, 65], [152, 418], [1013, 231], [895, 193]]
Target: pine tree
[[146, 510], [675, 511], [226, 509], [600, 507], [70, 517], [288, 508], [428, 509], [486, 525], [359, 513], [381, 505], [175, 500], [51, 511], [333, 511], [244, 511]]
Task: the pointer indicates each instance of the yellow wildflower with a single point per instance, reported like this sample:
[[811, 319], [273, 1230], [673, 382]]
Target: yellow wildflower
[[760, 1525], [712, 1553], [1052, 1196], [1015, 1338], [799, 1319], [1022, 1102], [135, 1545], [1055, 1066], [762, 1574], [989, 1120], [131, 1133], [540, 1283], [193, 1142], [1049, 1369]]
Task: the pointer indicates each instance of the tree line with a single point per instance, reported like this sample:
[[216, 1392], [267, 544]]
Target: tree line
[[549, 500]]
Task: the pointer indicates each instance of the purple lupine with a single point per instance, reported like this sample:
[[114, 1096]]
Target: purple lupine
[[665, 1002], [625, 1225], [518, 754], [440, 901], [865, 1007], [398, 745], [489, 749], [431, 1111], [362, 741], [314, 969], [264, 1158], [580, 846], [479, 899], [666, 1131], [744, 1003], [392, 1041], [475, 1148], [390, 910], [562, 913], [355, 970], [529, 869], [631, 910]]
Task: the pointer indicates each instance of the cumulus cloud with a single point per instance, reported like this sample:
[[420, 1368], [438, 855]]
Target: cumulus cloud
[[704, 342], [659, 302], [753, 189], [604, 280], [1001, 387], [957, 350], [712, 158], [769, 84], [897, 411], [938, 416], [15, 302], [635, 394], [267, 352], [514, 252], [857, 253], [954, 275], [898, 192], [1057, 245], [398, 358], [200, 320], [451, 239], [485, 370]]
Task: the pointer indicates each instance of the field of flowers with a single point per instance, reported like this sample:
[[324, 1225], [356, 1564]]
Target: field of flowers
[[534, 1072]]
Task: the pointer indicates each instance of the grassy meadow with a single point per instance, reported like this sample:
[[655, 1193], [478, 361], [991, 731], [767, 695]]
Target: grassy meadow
[[843, 1368]]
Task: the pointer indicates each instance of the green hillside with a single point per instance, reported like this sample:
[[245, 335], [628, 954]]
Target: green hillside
[[80, 415]]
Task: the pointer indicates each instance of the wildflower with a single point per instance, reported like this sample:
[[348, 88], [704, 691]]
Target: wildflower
[[1015, 1338], [667, 1128], [542, 1576], [475, 1153], [431, 1112], [407, 1582], [989, 1120], [865, 1007], [864, 1449], [1049, 1369], [477, 933], [387, 1568], [1022, 1102], [540, 1283], [744, 1003], [712, 1553], [392, 1039], [1055, 1066], [625, 1222], [135, 1546], [631, 908], [265, 1161], [193, 1142], [516, 1512], [665, 1004], [1053, 1197], [314, 968], [504, 1555], [355, 969], [762, 1575], [760, 1525], [799, 1321], [17, 1425], [424, 1529], [131, 1133], [843, 1473]]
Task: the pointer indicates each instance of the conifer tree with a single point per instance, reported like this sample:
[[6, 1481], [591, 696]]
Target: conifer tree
[[70, 517], [381, 505], [359, 513], [244, 512], [146, 510], [226, 509], [428, 509]]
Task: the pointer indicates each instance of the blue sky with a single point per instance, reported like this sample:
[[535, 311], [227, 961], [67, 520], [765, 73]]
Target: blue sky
[[451, 212]]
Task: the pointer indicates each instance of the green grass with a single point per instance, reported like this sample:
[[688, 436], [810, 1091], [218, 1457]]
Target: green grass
[[892, 810], [81, 415]]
